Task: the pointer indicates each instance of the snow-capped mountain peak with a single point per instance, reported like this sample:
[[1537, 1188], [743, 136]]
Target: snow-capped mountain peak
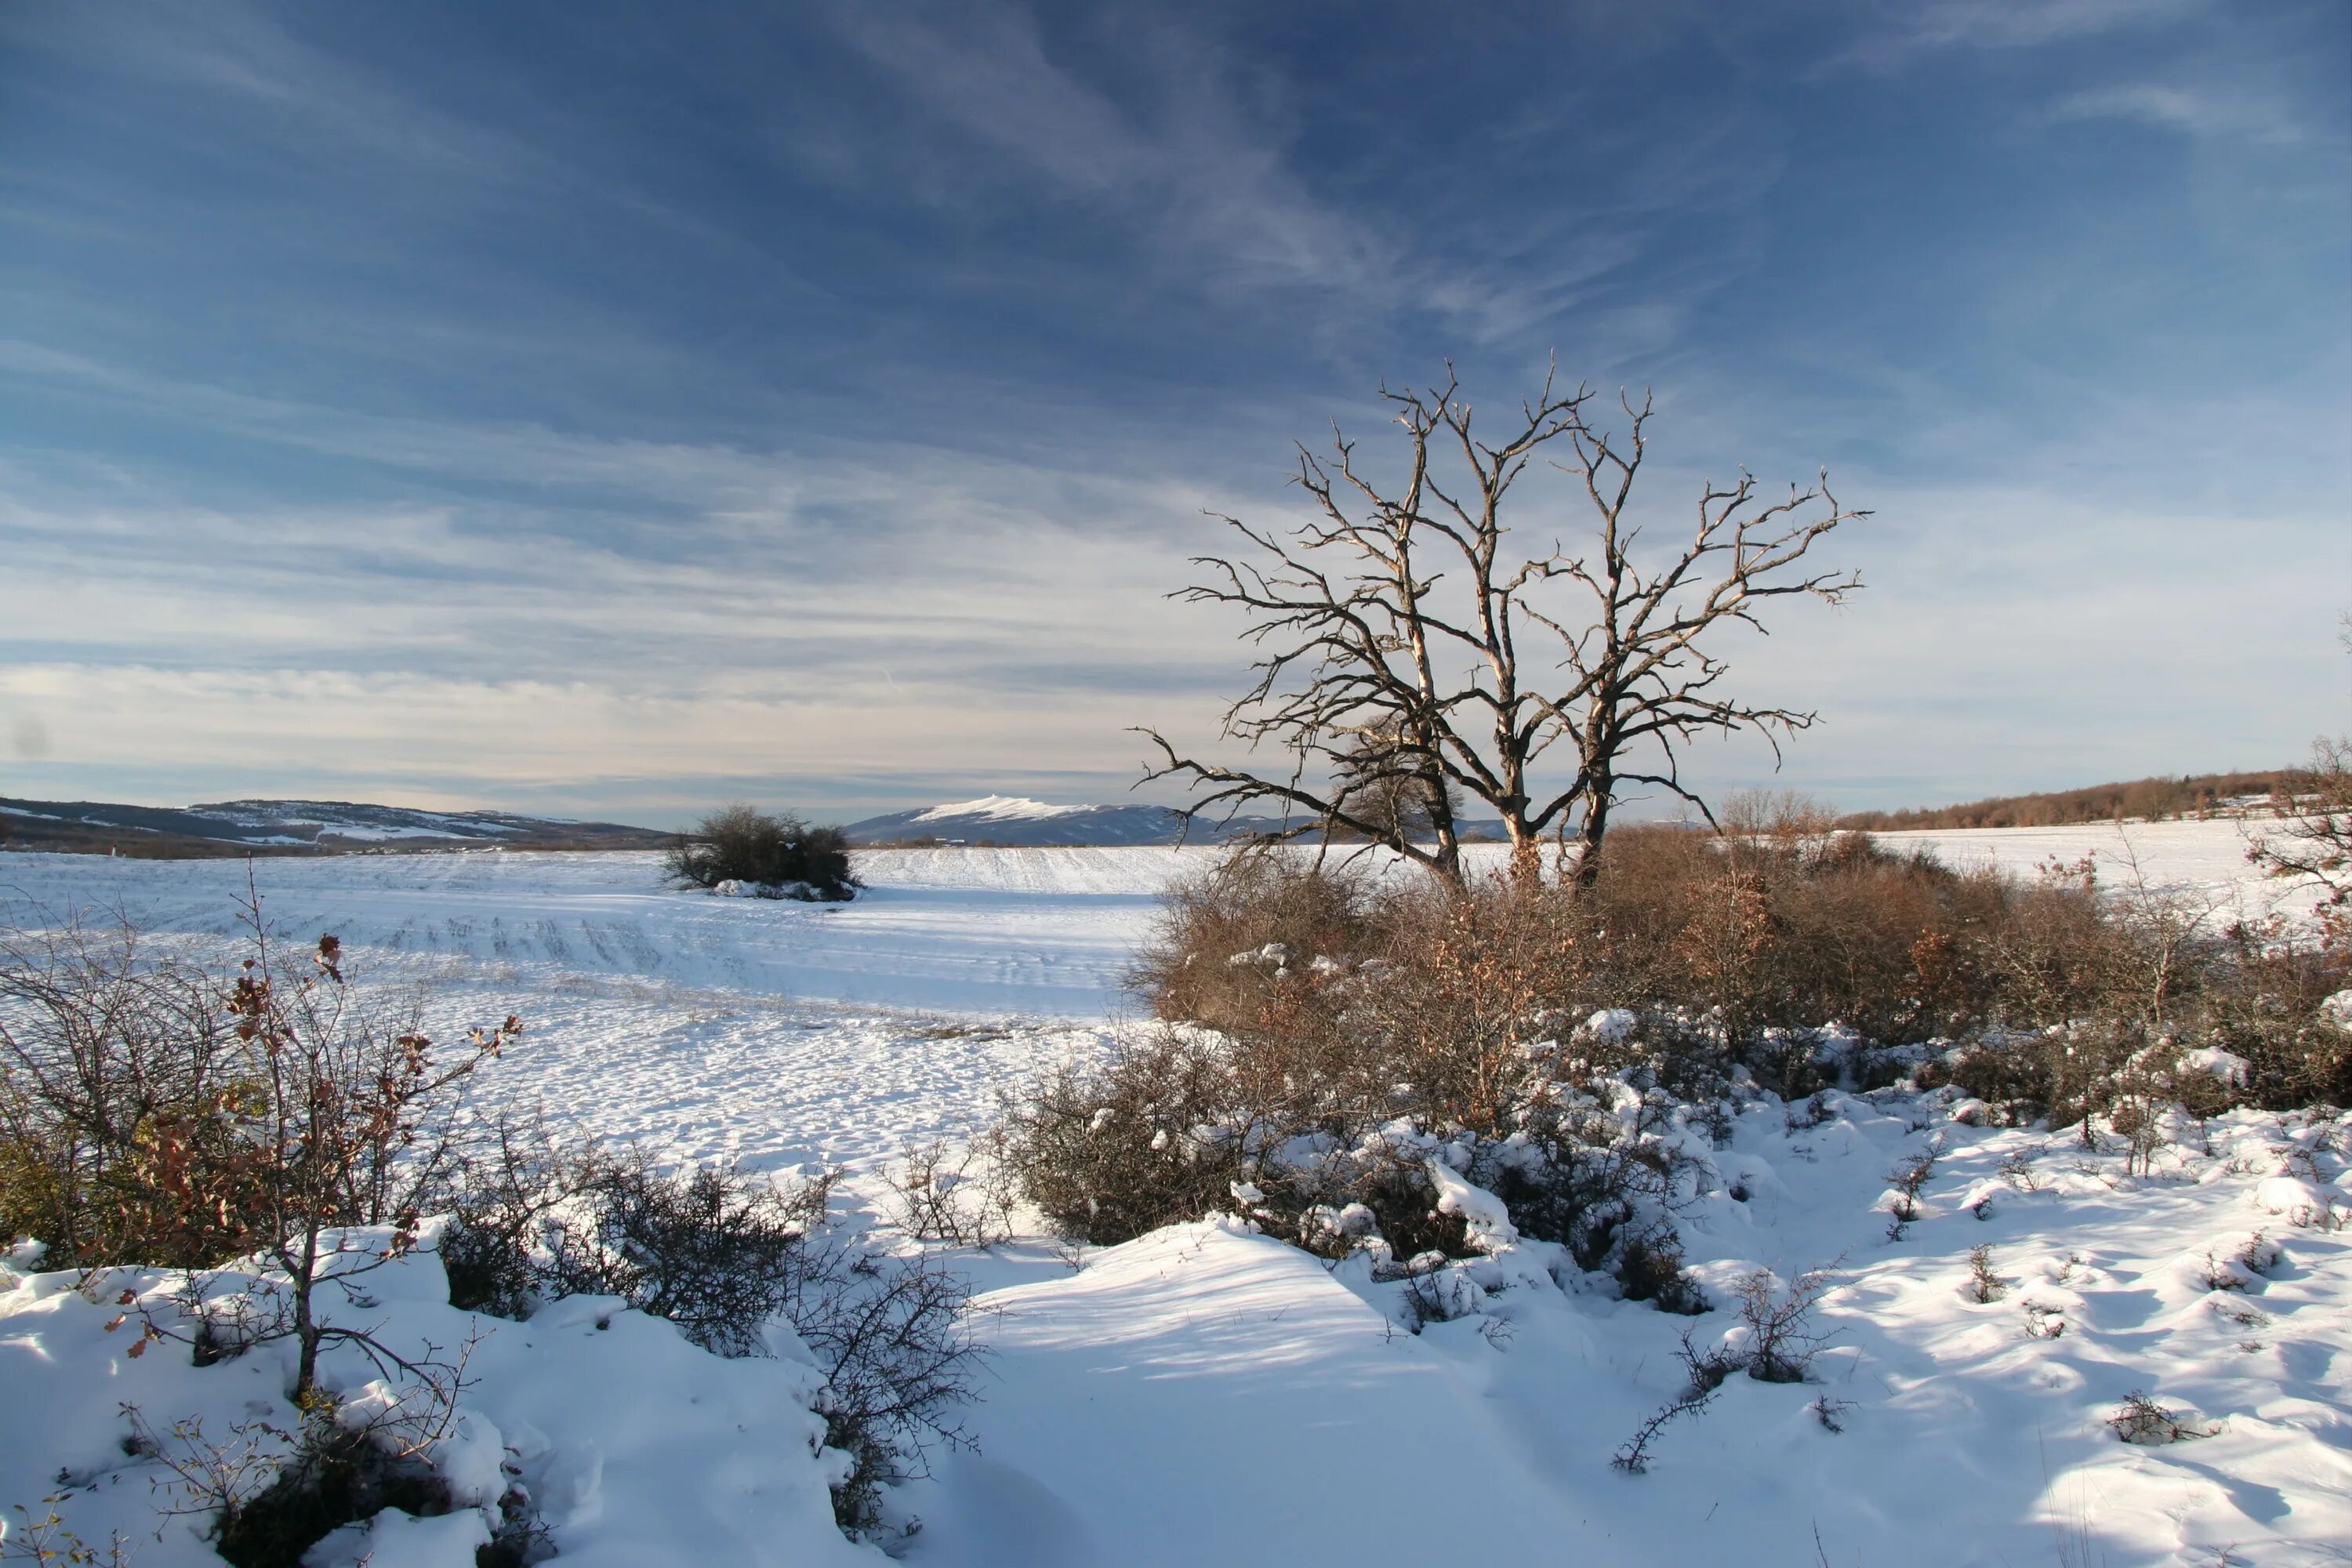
[[1001, 808]]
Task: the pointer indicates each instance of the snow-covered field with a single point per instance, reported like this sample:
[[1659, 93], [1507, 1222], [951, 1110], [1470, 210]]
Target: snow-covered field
[[1205, 1395]]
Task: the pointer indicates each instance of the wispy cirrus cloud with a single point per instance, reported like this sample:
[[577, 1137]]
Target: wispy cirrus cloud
[[2252, 115], [1180, 151], [1907, 27], [1190, 148]]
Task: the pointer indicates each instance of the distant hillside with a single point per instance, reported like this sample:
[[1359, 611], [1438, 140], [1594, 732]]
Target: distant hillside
[[1015, 821], [293, 827], [2139, 799]]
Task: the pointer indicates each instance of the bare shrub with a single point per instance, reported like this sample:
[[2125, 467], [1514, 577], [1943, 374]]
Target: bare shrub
[[1708, 1372], [1350, 1002], [1908, 1178], [1473, 980], [711, 1249], [47, 1540], [280, 1114], [2142, 1420], [961, 1196], [121, 1095], [1985, 1283], [2263, 1004], [505, 1188], [2314, 839], [1781, 1337], [1145, 1139], [764, 850], [894, 1338], [2043, 1322]]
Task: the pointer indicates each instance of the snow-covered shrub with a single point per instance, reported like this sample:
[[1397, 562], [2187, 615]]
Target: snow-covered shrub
[[765, 854], [1149, 1137], [1604, 1185], [1649, 1268], [1379, 1196], [727, 1256], [2008, 1074], [1433, 1294], [271, 1504]]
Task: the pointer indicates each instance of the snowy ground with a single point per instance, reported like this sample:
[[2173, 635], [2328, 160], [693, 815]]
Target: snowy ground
[[1205, 1395]]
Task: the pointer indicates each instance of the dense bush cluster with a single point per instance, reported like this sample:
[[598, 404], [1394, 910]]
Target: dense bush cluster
[[769, 855], [1166, 1129], [117, 1074], [1333, 1038], [1736, 949]]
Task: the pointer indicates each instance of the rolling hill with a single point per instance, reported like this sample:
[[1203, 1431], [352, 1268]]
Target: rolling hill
[[293, 827]]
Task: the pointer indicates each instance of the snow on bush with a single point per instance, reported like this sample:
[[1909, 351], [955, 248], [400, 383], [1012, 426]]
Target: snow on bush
[[597, 1423], [2301, 1202]]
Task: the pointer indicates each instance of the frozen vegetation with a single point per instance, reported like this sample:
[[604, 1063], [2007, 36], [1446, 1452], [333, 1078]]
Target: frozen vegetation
[[1915, 1338]]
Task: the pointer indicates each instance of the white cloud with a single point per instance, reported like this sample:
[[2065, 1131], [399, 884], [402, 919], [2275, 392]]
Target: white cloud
[[1902, 30], [1184, 156], [2198, 111]]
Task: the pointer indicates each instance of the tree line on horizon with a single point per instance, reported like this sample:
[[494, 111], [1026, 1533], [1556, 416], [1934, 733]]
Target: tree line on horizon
[[2186, 795]]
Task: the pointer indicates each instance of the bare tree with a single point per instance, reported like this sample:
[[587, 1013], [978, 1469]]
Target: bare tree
[[1379, 779], [1394, 621], [2314, 838], [347, 1121], [2313, 807]]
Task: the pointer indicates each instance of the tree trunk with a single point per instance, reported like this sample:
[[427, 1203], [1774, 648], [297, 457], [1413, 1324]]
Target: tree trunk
[[1590, 830]]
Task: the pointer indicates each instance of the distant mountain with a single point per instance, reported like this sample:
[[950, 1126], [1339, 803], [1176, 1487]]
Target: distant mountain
[[294, 827], [1012, 820], [1006, 819]]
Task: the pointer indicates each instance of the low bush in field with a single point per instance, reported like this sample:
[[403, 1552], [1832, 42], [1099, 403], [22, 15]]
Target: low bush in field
[[776, 853], [1150, 1137]]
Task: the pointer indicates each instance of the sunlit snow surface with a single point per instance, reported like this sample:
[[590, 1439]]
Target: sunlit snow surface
[[1205, 1395]]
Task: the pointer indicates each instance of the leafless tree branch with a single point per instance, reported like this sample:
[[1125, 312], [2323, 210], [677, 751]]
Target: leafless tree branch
[[1396, 671]]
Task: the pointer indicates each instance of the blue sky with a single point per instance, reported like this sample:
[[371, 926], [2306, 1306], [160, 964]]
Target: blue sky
[[612, 409]]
